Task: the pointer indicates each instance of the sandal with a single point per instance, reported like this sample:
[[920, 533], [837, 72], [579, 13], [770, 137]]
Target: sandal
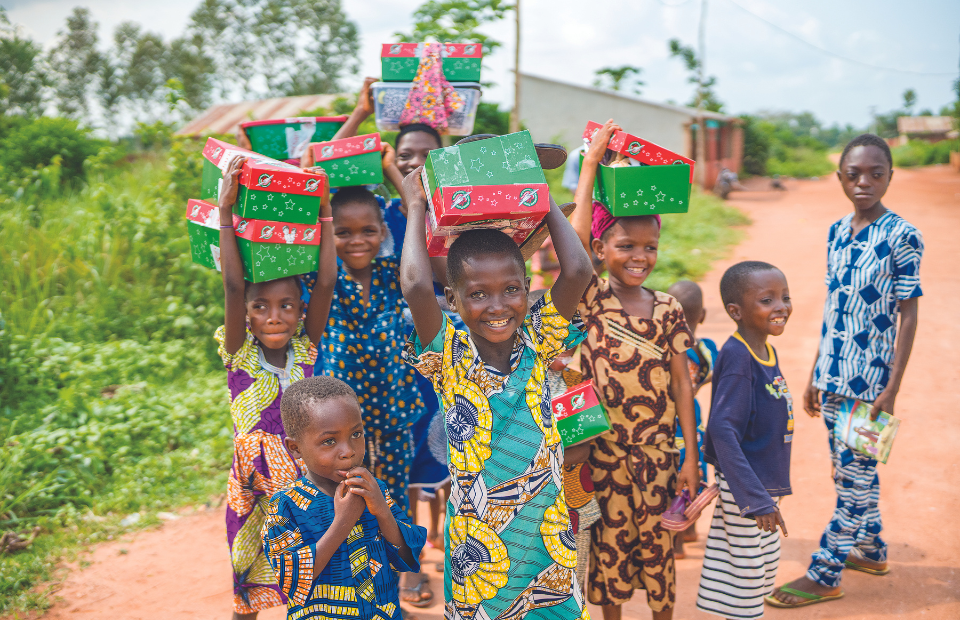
[[683, 513], [810, 599], [424, 598], [848, 563]]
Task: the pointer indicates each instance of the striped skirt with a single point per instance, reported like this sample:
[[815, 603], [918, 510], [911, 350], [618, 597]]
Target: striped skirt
[[739, 564]]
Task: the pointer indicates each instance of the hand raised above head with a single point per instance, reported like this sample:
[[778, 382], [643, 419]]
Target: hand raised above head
[[231, 183], [413, 186], [598, 145]]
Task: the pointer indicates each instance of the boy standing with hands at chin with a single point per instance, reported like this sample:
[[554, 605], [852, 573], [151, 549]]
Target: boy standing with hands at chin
[[335, 538]]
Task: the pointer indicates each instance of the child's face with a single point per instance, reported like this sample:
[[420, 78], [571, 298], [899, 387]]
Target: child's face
[[491, 297], [630, 250], [766, 304], [358, 233], [865, 176], [274, 310], [333, 440], [412, 150]]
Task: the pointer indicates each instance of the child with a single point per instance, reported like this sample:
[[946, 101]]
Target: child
[[510, 551], [335, 538], [748, 442], [700, 359], [266, 345], [634, 355], [873, 279]]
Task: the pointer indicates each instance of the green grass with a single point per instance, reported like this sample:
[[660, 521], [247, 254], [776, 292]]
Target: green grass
[[112, 397]]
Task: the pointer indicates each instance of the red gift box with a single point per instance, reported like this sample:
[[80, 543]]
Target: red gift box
[[643, 151]]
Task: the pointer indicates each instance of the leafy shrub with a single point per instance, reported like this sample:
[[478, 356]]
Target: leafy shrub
[[799, 162], [31, 145], [918, 153]]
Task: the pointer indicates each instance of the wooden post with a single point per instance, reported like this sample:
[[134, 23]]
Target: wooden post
[[515, 113], [701, 121]]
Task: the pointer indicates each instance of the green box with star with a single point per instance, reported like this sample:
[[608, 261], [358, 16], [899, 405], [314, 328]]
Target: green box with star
[[461, 61], [643, 190], [350, 161]]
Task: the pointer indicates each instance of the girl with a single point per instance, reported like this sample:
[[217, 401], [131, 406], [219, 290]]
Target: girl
[[510, 550], [266, 344], [634, 353]]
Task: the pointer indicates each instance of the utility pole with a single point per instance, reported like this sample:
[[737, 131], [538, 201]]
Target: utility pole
[[515, 113], [701, 121]]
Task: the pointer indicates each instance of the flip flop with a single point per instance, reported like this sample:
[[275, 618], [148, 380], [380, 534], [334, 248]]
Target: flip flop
[[811, 599], [866, 569], [551, 156], [423, 602], [683, 513], [703, 500]]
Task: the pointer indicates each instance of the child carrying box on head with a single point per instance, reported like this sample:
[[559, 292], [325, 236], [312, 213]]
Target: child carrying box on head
[[748, 441], [510, 551], [700, 358], [335, 538], [634, 353], [266, 344]]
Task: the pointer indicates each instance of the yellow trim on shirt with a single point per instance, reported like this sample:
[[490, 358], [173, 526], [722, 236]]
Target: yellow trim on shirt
[[770, 353]]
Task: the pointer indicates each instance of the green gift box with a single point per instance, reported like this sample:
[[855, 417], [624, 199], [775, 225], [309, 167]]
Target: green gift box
[[461, 61], [268, 250], [288, 138], [269, 189], [351, 161], [580, 416]]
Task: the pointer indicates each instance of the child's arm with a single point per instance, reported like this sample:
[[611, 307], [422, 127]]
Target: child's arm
[[811, 395], [416, 274], [909, 310], [346, 512], [235, 308], [362, 484], [363, 109], [583, 197], [319, 309], [575, 267], [682, 391], [392, 173]]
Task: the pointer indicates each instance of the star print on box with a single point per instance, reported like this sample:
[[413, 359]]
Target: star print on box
[[345, 160], [460, 61]]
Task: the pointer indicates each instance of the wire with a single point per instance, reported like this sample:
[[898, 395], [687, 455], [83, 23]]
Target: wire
[[834, 54]]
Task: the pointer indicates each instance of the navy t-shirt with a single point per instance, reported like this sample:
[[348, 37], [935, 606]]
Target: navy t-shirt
[[750, 430]]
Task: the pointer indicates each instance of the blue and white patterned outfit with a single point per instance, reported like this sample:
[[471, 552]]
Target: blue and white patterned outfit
[[868, 275]]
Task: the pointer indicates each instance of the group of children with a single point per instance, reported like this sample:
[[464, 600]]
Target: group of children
[[332, 393]]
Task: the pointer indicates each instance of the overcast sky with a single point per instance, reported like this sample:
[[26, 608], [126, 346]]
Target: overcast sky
[[757, 66]]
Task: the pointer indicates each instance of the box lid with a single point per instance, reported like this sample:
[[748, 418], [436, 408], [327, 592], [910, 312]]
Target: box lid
[[576, 399], [415, 50], [203, 213], [265, 231], [644, 151], [294, 120], [347, 147], [263, 173]]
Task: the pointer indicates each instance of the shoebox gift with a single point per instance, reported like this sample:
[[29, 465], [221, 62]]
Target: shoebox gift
[[351, 161], [491, 183], [268, 250], [580, 416], [269, 189], [287, 138], [661, 182], [439, 239], [461, 61]]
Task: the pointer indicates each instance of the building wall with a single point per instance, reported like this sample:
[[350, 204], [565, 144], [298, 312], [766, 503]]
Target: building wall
[[557, 113]]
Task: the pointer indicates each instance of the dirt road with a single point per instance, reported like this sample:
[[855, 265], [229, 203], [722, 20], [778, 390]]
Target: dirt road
[[181, 569]]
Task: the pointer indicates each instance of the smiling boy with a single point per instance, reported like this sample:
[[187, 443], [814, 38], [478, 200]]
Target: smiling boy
[[335, 538]]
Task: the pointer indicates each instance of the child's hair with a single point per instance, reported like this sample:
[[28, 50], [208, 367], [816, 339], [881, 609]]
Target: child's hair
[[415, 127], [734, 282], [355, 195], [867, 139], [483, 242], [690, 296], [300, 397], [249, 285]]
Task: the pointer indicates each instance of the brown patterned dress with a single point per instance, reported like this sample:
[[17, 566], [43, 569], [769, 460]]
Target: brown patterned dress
[[634, 466]]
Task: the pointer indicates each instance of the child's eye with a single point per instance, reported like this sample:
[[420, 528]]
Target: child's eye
[[328, 442], [512, 289], [358, 434], [651, 248], [477, 295]]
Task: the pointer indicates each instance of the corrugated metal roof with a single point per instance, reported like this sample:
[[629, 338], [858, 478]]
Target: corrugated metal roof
[[924, 124], [226, 117]]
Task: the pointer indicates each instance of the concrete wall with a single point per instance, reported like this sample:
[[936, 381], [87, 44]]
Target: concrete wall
[[556, 112]]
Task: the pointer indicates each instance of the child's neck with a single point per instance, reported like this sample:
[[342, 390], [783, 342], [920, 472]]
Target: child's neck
[[275, 357], [362, 277], [756, 340], [326, 485], [636, 300], [496, 354], [865, 217]]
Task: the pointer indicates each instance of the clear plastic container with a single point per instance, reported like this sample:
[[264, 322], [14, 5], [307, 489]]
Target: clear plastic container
[[390, 98]]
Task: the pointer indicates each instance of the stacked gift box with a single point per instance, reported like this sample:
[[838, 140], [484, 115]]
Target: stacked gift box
[[579, 414], [287, 138], [274, 218], [660, 182], [492, 183], [350, 161], [461, 64]]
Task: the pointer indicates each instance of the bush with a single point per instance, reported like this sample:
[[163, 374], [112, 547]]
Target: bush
[[756, 147], [918, 153], [800, 162], [32, 145]]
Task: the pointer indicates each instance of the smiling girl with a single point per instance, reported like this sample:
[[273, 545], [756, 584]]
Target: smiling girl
[[634, 353], [266, 343]]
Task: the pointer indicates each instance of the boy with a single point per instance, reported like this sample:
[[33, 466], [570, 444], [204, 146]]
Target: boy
[[700, 358], [873, 279], [748, 442], [509, 546], [336, 502]]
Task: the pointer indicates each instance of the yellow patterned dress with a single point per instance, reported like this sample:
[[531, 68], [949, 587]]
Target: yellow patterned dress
[[261, 463], [510, 550]]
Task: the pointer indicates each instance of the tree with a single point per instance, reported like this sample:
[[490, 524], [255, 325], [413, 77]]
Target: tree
[[456, 21], [138, 58], [756, 146], [704, 91], [74, 63], [195, 70], [909, 100], [617, 76], [22, 71]]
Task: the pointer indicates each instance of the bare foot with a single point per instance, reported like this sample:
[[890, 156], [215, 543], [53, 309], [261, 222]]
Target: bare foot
[[690, 534], [678, 552], [804, 585], [415, 590]]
